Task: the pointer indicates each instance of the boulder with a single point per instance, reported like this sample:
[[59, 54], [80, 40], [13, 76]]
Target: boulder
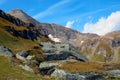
[[27, 68], [47, 70], [59, 74], [115, 73], [22, 55], [84, 76], [29, 57], [48, 64], [5, 51], [60, 51]]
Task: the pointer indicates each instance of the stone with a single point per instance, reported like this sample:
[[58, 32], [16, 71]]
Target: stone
[[29, 57], [84, 76], [27, 68], [47, 64], [59, 74], [47, 70], [115, 73], [22, 55], [5, 51], [60, 51]]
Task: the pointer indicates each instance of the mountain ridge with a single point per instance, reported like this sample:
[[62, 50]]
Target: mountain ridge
[[94, 47], [65, 34]]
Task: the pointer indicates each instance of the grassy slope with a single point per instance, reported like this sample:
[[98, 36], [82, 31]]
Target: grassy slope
[[94, 67], [11, 71]]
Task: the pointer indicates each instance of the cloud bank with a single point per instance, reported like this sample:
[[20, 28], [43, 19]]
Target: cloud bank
[[104, 25], [69, 24]]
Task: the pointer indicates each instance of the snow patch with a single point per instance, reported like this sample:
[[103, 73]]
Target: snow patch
[[54, 39]]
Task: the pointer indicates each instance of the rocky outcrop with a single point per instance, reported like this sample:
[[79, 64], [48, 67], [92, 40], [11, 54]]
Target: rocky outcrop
[[30, 31], [5, 51], [30, 34], [60, 51]]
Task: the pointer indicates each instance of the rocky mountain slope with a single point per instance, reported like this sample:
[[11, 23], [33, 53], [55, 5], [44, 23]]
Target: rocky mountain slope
[[15, 33], [105, 48], [94, 47], [57, 31], [21, 42], [26, 45]]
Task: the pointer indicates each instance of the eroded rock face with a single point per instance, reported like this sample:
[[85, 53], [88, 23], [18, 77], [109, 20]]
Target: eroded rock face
[[30, 32]]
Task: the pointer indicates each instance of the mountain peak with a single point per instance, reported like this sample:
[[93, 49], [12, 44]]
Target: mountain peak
[[16, 11], [23, 16]]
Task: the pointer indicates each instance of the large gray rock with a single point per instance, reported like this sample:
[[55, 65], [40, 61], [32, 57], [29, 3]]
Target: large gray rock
[[5, 51], [60, 51], [59, 74], [47, 70], [22, 55], [115, 73], [48, 64], [84, 76], [54, 63]]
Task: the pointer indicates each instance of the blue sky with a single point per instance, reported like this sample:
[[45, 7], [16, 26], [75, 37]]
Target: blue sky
[[93, 16]]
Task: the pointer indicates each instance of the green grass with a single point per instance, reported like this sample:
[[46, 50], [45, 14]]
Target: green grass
[[89, 67], [11, 71]]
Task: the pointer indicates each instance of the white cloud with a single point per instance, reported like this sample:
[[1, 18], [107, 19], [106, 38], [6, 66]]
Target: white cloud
[[104, 25], [50, 9], [69, 24]]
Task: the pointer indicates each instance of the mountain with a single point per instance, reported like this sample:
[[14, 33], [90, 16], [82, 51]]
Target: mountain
[[57, 31], [94, 47], [24, 45], [105, 48]]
